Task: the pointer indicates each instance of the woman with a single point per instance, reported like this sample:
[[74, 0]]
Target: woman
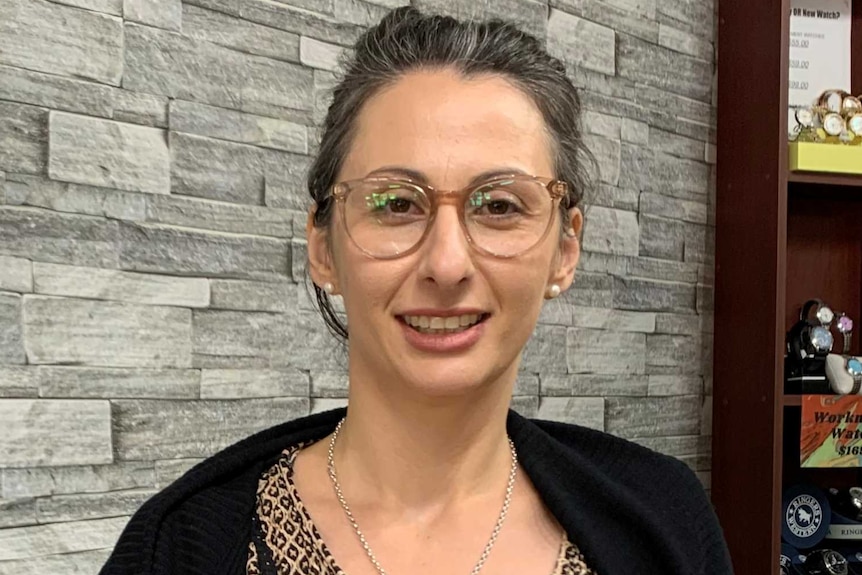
[[445, 212]]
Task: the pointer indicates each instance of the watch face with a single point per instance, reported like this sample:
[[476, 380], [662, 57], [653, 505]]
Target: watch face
[[855, 124], [854, 368], [825, 562], [851, 103], [821, 339], [833, 124], [834, 101], [825, 314], [835, 563], [805, 117]]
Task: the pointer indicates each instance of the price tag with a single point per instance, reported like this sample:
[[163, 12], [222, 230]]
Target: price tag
[[819, 51]]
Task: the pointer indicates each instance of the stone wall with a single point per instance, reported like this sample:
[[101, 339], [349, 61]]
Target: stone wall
[[153, 307]]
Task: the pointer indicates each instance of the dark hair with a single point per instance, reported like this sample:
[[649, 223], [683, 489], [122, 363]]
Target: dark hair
[[405, 40]]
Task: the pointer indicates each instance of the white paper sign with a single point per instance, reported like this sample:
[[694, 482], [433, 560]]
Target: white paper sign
[[819, 51]]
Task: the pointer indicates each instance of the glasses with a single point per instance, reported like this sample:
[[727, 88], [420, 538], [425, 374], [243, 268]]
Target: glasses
[[388, 218]]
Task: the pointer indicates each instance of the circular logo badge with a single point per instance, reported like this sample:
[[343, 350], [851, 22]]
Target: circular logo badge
[[804, 516]]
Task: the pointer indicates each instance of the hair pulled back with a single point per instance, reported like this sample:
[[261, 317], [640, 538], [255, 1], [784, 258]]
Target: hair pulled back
[[406, 40]]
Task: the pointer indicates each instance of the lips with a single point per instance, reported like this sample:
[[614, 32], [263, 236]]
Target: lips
[[443, 331], [434, 324]]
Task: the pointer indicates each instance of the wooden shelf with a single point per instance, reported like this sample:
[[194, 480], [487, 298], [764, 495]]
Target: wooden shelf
[[781, 237], [852, 180], [791, 400]]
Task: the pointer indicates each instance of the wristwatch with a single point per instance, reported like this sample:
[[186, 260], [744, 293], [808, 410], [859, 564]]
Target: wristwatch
[[825, 562], [832, 100], [805, 117], [821, 340], [847, 502], [822, 312], [851, 104], [855, 494], [845, 327], [816, 339], [834, 124], [854, 369]]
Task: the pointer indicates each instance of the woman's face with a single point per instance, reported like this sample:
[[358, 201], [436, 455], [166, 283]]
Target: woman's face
[[449, 129]]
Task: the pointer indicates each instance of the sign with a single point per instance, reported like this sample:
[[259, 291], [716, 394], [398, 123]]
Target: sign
[[831, 431], [819, 51], [851, 531]]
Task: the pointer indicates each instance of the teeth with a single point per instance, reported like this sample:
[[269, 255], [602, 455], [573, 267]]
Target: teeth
[[434, 324]]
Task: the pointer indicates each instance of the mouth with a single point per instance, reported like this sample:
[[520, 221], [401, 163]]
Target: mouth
[[439, 325]]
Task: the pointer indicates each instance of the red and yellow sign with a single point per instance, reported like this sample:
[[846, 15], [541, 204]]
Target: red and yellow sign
[[831, 431]]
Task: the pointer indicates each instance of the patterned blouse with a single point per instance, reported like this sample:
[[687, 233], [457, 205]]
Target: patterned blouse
[[285, 541]]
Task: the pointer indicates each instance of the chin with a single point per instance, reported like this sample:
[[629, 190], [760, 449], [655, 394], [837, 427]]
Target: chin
[[443, 381]]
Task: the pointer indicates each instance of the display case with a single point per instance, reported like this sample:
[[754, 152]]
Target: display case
[[782, 237]]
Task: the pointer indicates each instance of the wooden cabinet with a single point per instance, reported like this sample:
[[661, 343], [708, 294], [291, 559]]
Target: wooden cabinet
[[781, 238]]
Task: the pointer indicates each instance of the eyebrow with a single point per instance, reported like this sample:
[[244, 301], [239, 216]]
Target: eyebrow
[[420, 177]]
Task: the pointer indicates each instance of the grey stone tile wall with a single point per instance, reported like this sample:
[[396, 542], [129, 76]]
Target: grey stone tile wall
[[153, 306]]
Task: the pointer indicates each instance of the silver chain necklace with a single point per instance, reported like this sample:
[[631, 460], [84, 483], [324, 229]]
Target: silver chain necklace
[[488, 546]]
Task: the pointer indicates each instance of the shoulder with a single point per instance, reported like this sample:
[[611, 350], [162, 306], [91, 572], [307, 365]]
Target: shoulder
[[201, 521], [612, 494], [605, 456]]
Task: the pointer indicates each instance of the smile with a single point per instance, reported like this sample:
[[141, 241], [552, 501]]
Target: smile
[[440, 325]]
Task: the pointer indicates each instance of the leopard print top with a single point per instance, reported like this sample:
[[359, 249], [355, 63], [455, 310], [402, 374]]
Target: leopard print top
[[285, 541]]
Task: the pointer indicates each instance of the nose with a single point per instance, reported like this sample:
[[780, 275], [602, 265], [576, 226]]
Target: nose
[[445, 256]]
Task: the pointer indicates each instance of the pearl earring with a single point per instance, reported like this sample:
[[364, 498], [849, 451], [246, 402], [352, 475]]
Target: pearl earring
[[553, 291], [328, 288]]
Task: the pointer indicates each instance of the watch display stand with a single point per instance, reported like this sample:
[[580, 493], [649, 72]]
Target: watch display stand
[[826, 158], [841, 378], [808, 377]]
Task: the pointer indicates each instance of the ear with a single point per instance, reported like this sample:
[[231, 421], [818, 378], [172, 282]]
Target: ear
[[570, 250], [320, 261]]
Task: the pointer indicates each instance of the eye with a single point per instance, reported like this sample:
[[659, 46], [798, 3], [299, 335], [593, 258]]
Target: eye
[[500, 207], [495, 203], [394, 204], [388, 201]]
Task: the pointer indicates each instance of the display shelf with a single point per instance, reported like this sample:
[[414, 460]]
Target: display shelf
[[791, 400], [818, 178], [837, 159], [781, 237]]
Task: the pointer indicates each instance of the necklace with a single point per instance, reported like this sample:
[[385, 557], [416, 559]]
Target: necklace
[[488, 546]]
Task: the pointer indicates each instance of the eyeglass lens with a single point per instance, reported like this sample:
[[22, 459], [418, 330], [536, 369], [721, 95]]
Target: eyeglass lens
[[505, 217]]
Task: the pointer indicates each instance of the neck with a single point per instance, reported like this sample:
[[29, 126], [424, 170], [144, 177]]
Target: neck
[[413, 452]]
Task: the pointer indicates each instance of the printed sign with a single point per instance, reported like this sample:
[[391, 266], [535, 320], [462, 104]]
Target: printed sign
[[831, 431], [819, 51]]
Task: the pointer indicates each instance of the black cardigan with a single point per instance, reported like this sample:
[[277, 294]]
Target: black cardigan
[[629, 509]]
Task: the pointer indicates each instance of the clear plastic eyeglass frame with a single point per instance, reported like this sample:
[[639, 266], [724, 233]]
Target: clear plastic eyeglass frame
[[557, 191]]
